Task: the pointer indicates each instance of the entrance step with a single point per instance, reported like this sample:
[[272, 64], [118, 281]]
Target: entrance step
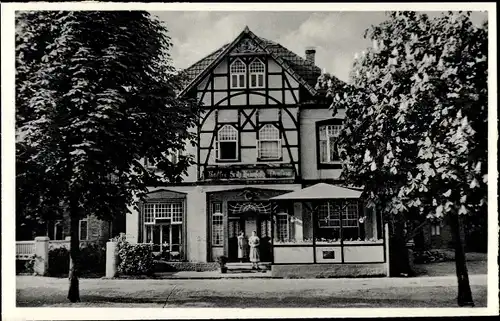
[[247, 266]]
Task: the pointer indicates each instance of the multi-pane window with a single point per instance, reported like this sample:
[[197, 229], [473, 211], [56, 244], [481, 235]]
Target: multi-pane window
[[257, 72], [328, 135], [283, 227], [329, 220], [265, 228], [163, 212], [83, 230], [163, 228], [227, 143], [238, 74], [269, 143], [329, 215], [217, 224]]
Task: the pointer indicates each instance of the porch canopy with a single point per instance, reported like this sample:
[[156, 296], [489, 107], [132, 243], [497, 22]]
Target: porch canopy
[[320, 191]]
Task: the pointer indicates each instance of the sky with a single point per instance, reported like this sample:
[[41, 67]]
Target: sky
[[337, 36]]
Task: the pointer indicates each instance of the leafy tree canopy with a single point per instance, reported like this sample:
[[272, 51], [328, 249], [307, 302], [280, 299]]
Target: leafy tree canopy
[[95, 93], [416, 124]]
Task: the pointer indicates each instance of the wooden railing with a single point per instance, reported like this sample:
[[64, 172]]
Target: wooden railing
[[25, 249]]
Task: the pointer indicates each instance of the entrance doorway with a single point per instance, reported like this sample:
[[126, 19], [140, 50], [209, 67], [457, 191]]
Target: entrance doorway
[[249, 222]]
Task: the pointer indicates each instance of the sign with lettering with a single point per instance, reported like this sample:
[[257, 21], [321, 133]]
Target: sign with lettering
[[228, 173], [329, 254]]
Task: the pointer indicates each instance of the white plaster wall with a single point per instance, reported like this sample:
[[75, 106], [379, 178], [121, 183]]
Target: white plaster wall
[[132, 225], [359, 254], [293, 254], [308, 157]]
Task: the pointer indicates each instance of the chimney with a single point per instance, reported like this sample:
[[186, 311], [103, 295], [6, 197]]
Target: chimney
[[310, 53]]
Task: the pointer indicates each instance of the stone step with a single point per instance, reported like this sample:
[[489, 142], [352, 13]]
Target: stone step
[[247, 266]]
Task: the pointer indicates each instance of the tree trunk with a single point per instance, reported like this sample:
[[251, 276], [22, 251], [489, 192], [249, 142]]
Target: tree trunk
[[464, 292], [74, 287]]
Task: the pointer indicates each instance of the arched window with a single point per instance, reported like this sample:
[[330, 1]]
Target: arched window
[[238, 74], [257, 72], [269, 143], [227, 143]]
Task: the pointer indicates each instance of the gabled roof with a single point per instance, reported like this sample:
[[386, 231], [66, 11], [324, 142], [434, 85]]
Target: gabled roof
[[304, 72], [320, 191]]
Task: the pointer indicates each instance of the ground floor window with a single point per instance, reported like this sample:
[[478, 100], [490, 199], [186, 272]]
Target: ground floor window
[[163, 226], [217, 224], [83, 230], [330, 226]]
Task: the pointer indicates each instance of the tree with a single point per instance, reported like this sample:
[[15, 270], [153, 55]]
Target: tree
[[415, 133], [95, 93]]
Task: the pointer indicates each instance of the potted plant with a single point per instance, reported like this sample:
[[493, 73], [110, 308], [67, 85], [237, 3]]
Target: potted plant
[[222, 260]]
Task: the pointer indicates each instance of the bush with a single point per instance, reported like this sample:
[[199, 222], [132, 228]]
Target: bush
[[58, 261], [92, 260], [134, 259]]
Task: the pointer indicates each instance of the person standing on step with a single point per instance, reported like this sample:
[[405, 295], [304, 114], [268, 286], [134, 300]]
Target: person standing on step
[[254, 242], [242, 247]]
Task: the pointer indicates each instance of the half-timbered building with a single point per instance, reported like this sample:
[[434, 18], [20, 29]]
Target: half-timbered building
[[264, 131]]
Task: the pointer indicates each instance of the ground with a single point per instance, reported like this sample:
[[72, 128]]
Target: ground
[[436, 286], [251, 293]]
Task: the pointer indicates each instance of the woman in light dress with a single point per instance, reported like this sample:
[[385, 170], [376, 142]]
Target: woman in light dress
[[242, 247], [254, 242]]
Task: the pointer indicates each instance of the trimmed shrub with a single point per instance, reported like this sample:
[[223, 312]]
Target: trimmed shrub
[[134, 259]]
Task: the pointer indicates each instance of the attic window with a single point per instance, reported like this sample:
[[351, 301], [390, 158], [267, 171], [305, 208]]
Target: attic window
[[257, 71], [238, 74]]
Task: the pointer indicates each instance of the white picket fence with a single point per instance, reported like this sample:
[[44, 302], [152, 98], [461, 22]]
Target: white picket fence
[[25, 249]]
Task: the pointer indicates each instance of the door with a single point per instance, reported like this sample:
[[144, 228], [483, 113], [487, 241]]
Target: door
[[264, 233], [235, 225]]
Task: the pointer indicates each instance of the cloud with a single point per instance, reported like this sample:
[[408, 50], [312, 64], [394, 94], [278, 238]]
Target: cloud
[[336, 35]]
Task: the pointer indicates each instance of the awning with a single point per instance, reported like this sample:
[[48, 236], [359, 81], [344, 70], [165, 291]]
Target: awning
[[320, 191]]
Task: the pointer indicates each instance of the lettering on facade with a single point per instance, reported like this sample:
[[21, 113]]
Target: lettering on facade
[[248, 173]]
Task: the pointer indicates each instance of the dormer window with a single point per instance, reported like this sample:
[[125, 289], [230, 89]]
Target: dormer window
[[227, 144], [269, 143], [238, 74], [257, 71]]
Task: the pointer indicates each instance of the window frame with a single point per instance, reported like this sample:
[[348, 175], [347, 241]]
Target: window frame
[[58, 225], [336, 164], [257, 74], [174, 216], [277, 139], [436, 229], [218, 214], [279, 225], [238, 75], [235, 140], [80, 229]]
